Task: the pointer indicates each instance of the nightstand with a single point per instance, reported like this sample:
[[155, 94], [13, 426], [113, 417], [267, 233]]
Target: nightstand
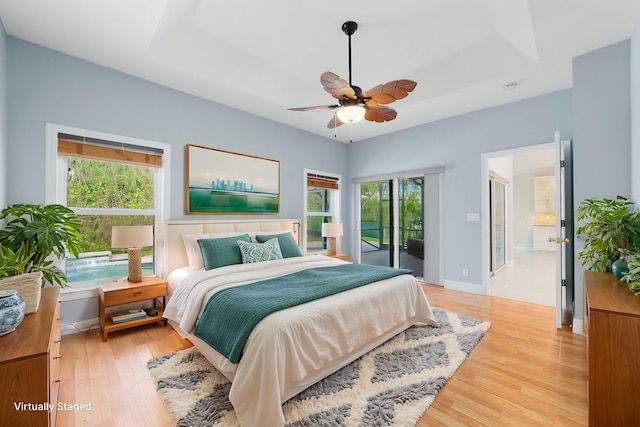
[[340, 256], [118, 293]]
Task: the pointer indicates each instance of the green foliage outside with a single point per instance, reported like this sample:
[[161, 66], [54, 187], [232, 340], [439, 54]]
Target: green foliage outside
[[375, 206], [102, 184], [318, 200]]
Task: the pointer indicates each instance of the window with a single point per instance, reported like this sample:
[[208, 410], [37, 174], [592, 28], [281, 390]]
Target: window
[[322, 206], [108, 182]]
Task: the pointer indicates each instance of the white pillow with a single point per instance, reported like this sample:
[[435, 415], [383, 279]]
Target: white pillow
[[194, 256]]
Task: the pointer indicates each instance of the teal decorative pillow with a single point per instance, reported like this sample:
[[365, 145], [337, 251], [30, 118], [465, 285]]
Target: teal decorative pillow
[[221, 251], [288, 245], [258, 252]]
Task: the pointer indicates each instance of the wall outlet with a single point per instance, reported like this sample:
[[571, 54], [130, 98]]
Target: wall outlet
[[473, 217], [465, 272]]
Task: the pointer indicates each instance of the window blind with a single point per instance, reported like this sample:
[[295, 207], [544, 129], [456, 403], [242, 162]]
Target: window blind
[[100, 149], [322, 181]]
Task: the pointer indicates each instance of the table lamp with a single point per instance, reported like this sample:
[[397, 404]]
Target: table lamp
[[331, 231], [133, 238]]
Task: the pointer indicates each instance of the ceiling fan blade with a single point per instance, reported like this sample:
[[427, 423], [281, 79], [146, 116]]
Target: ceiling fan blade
[[389, 92], [315, 108], [334, 122], [337, 86], [380, 114]]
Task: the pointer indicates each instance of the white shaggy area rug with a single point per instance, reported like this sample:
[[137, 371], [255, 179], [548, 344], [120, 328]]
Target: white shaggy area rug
[[392, 385]]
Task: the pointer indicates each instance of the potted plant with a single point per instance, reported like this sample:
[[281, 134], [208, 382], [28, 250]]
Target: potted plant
[[632, 276], [610, 225], [34, 239]]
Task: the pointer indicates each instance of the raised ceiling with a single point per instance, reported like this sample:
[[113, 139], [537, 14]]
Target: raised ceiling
[[266, 56]]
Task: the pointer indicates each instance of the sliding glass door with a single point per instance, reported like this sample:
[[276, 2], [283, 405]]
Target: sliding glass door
[[376, 231], [390, 208]]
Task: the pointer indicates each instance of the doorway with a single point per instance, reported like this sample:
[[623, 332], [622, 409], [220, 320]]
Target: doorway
[[520, 225], [399, 220]]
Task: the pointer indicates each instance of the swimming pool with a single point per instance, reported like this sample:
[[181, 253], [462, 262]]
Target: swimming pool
[[99, 268]]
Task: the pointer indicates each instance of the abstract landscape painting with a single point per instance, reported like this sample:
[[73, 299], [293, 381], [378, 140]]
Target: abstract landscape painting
[[222, 182]]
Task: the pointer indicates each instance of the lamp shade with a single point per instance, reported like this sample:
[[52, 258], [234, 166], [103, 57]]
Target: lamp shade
[[332, 230], [350, 113], [133, 236]]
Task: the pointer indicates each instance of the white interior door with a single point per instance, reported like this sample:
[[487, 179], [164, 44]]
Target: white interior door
[[564, 233]]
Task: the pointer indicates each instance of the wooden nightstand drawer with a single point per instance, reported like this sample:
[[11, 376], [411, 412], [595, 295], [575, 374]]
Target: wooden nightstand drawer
[[118, 293], [133, 294]]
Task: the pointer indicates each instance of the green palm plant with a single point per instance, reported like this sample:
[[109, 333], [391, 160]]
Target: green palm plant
[[610, 225], [34, 237]]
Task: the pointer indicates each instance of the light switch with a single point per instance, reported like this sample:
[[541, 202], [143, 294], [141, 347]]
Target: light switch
[[473, 217]]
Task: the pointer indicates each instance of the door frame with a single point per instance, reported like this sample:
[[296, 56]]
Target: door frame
[[486, 275]]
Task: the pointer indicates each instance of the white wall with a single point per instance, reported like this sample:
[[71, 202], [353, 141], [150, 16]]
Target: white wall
[[524, 216]]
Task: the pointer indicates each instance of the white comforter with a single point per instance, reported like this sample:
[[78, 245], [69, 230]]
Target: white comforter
[[291, 349]]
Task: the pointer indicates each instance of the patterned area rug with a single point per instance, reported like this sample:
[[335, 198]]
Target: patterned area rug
[[392, 385]]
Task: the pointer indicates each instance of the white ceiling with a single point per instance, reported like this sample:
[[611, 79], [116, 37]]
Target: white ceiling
[[266, 56]]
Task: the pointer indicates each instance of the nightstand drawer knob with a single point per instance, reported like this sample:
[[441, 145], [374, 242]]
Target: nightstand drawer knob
[[137, 293]]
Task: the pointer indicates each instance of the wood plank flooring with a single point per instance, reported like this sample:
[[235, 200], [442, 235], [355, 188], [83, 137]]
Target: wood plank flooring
[[524, 372]]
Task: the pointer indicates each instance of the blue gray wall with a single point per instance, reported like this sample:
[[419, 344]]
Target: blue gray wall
[[38, 85], [4, 119], [595, 114], [635, 112], [602, 133], [47, 86], [457, 144]]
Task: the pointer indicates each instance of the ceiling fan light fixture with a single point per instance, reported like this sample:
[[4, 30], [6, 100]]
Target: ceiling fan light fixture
[[351, 113]]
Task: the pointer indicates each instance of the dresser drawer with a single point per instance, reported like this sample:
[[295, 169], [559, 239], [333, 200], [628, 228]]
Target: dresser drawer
[[134, 294], [54, 356]]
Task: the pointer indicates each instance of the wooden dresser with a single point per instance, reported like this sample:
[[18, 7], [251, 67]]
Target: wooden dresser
[[30, 366], [613, 358]]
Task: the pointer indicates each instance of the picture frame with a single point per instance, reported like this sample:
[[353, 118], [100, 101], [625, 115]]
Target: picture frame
[[227, 183]]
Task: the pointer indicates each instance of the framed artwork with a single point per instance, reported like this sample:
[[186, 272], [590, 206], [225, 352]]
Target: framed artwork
[[222, 182]]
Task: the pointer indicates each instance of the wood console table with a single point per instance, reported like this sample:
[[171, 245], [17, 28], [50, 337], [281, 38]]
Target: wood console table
[[30, 366], [613, 358]]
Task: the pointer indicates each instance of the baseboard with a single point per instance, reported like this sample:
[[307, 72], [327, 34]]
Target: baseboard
[[463, 286], [578, 326], [81, 326]]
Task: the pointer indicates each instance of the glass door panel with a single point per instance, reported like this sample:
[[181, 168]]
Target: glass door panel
[[411, 225], [376, 235], [497, 196]]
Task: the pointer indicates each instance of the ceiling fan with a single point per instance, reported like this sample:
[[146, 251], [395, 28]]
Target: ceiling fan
[[354, 104]]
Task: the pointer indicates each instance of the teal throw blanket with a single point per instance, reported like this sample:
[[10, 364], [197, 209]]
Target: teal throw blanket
[[231, 314]]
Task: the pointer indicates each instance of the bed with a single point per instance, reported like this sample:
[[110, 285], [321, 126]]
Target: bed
[[293, 348]]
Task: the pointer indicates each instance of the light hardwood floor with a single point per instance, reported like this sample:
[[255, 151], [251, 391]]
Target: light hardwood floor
[[524, 372]]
